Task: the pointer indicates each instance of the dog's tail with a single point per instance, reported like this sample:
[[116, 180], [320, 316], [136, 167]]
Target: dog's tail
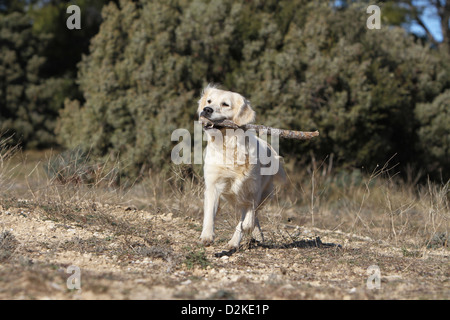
[[276, 169]]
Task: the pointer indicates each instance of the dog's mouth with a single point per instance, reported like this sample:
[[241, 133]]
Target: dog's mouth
[[207, 124]]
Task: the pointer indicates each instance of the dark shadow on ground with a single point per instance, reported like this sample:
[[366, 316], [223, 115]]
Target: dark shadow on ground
[[307, 243]]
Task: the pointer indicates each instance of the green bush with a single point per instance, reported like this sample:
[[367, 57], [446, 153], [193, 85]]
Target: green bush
[[434, 132], [29, 102], [302, 64]]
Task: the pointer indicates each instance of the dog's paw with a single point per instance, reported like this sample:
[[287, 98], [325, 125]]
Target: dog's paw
[[257, 235], [232, 245], [207, 240]]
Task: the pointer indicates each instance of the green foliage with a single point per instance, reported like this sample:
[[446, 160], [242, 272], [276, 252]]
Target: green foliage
[[434, 132], [134, 86], [38, 65], [409, 13], [9, 6], [196, 258], [65, 47], [29, 102], [302, 64]]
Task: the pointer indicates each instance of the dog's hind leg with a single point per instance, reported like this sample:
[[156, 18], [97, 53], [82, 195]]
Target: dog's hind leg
[[257, 232], [246, 225], [251, 226], [237, 236], [250, 221]]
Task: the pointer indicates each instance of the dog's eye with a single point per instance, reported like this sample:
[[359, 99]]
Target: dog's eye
[[209, 101], [224, 104]]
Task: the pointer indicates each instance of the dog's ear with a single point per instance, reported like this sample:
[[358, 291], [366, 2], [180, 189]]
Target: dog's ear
[[244, 113]]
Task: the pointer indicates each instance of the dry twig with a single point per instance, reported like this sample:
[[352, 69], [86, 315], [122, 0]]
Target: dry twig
[[261, 129]]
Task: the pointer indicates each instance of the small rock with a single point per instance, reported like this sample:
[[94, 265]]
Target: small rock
[[167, 217], [390, 278]]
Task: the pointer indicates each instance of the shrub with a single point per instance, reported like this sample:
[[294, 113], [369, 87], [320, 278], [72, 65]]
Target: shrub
[[29, 101], [302, 64], [434, 132]]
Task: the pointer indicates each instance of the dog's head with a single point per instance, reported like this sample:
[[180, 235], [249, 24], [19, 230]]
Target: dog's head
[[216, 104]]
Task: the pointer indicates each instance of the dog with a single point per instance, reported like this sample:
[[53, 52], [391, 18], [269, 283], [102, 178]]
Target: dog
[[244, 183]]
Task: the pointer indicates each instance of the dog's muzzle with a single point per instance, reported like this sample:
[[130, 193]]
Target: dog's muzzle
[[204, 118], [207, 124], [206, 112]]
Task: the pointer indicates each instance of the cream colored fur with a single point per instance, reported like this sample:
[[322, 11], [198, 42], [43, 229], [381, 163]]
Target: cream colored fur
[[230, 172]]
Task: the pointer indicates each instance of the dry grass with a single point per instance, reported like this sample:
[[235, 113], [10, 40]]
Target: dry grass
[[159, 219], [378, 205], [6, 167]]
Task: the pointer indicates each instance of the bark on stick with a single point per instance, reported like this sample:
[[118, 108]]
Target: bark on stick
[[261, 129]]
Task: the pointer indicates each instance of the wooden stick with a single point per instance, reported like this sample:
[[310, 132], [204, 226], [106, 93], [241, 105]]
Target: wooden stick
[[288, 134]]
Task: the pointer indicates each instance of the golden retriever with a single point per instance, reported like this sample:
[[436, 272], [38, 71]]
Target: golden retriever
[[239, 166]]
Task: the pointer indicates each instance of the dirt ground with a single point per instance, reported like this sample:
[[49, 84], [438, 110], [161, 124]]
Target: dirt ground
[[125, 253]]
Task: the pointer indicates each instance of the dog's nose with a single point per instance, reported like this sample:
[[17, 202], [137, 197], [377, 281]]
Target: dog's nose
[[207, 111]]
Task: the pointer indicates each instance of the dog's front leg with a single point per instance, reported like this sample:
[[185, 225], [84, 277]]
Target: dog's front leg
[[211, 205]]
